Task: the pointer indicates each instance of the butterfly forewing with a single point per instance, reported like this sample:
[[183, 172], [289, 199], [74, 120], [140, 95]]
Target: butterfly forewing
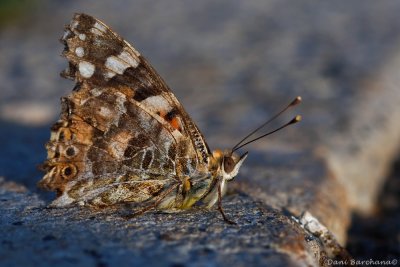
[[122, 135]]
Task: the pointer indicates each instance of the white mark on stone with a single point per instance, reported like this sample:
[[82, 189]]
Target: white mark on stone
[[82, 36], [312, 224], [79, 51], [86, 69]]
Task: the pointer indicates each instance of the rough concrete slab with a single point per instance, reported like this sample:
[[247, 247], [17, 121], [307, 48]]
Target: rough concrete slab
[[33, 235]]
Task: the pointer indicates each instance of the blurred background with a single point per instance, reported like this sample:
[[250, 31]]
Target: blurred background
[[231, 64]]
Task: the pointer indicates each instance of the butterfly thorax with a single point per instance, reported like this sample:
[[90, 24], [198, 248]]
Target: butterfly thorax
[[223, 166]]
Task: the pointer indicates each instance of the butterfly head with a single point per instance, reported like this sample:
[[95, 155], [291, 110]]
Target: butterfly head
[[228, 162]]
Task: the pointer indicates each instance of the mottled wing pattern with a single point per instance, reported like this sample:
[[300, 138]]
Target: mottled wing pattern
[[122, 135]]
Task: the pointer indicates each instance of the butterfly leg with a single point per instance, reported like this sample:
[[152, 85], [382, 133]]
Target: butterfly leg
[[152, 205], [220, 207]]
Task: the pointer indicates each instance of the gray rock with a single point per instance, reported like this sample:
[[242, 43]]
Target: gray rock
[[32, 234]]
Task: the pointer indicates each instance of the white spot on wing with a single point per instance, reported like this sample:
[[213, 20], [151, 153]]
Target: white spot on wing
[[82, 36], [109, 74], [86, 69], [120, 63], [121, 99], [116, 64], [117, 149], [74, 24], [79, 51], [101, 27], [95, 92], [105, 112], [125, 56], [157, 103], [96, 31]]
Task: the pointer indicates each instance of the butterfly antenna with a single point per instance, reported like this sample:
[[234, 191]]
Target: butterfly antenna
[[295, 102], [293, 121]]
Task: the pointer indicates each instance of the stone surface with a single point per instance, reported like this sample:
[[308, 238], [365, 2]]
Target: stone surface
[[361, 161], [34, 235], [232, 65]]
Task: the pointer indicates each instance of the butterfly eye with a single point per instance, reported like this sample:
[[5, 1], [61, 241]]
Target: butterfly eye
[[229, 164]]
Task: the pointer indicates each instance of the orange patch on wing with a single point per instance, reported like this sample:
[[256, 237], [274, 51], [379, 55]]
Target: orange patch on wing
[[175, 123]]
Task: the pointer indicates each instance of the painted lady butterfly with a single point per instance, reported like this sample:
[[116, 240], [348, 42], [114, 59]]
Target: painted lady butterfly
[[123, 137]]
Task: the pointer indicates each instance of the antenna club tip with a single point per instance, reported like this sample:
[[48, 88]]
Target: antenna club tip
[[295, 119], [296, 101]]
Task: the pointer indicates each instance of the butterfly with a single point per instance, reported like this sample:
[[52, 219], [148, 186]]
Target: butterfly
[[123, 137]]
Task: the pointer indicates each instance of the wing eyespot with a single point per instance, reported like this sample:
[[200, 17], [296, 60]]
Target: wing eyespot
[[70, 152], [69, 171]]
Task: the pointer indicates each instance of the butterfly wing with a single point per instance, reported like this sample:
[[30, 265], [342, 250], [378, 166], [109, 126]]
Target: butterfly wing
[[122, 135]]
